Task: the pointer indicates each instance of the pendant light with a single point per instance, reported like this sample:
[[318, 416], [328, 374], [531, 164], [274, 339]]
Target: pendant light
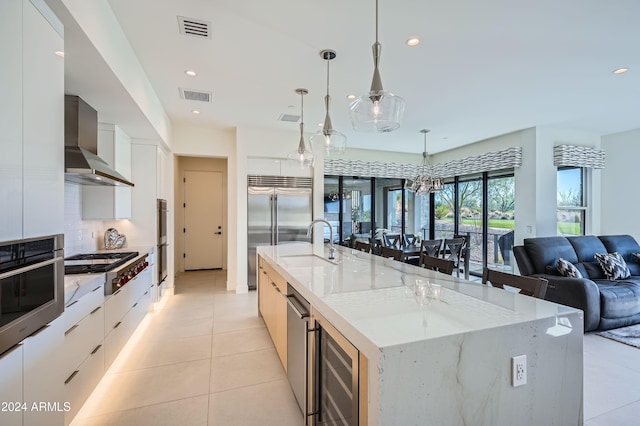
[[425, 183], [302, 156], [328, 139], [378, 110]]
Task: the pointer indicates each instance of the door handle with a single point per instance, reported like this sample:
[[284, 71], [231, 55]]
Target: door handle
[[218, 233]]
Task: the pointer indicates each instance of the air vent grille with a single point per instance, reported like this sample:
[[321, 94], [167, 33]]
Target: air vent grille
[[280, 181], [195, 95], [194, 27], [292, 118]]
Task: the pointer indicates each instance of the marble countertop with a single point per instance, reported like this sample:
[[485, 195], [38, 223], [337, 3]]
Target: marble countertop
[[368, 298], [77, 285]]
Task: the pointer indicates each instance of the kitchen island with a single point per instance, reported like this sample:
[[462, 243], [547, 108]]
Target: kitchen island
[[445, 360]]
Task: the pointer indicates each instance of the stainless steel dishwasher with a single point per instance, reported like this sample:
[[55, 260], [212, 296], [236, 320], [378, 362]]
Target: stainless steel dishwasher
[[298, 311]]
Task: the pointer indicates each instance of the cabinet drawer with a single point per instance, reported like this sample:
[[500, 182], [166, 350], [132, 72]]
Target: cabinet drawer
[[81, 307], [117, 306], [81, 339], [81, 382]]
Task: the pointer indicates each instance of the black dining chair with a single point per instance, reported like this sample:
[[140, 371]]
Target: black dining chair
[[391, 253], [529, 286], [392, 241], [452, 250], [437, 264], [376, 245], [362, 246], [410, 239]]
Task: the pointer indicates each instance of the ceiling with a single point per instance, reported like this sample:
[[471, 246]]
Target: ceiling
[[481, 69]]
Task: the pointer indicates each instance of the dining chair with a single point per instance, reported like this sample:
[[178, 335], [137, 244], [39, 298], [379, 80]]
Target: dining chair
[[392, 240], [437, 264], [410, 239], [362, 246], [376, 245], [391, 253], [465, 250], [529, 286], [452, 250], [431, 247]]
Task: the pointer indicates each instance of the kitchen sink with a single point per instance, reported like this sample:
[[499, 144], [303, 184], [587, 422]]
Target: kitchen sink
[[306, 261]]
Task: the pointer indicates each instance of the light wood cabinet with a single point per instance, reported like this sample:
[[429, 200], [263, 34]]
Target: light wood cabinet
[[272, 290], [110, 202]]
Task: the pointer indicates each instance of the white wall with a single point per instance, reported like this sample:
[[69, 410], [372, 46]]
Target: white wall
[[619, 184]]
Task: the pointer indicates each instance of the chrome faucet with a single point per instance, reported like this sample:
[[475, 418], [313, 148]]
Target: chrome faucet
[[332, 250]]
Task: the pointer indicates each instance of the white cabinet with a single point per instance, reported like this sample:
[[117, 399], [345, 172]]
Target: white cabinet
[[11, 119], [43, 376], [107, 202], [31, 121], [124, 311], [11, 386], [276, 167], [83, 346]]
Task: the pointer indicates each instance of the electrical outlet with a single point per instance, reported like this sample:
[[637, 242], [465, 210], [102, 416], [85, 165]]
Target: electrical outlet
[[518, 370]]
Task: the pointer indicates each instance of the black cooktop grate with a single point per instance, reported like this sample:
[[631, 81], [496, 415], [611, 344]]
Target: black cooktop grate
[[75, 263]]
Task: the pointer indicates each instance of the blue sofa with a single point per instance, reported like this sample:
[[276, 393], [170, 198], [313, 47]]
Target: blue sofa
[[606, 304]]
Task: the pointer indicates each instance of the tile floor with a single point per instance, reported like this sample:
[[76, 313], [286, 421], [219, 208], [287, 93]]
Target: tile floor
[[205, 358]]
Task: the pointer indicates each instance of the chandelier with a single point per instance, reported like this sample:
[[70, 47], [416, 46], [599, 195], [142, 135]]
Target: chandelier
[[425, 183]]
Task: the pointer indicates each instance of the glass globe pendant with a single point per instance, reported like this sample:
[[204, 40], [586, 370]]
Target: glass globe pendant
[[302, 156]]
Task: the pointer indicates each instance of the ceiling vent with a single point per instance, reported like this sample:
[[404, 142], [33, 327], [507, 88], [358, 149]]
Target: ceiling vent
[[195, 95], [194, 27], [291, 118]]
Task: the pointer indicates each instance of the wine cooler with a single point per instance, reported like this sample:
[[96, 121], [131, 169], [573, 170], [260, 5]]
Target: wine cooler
[[335, 391]]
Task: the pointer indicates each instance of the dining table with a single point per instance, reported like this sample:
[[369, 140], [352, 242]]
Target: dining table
[[413, 250]]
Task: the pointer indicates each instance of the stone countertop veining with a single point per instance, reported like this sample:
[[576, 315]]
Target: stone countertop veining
[[365, 297], [77, 285]]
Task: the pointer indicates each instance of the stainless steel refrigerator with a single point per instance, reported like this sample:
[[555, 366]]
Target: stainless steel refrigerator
[[279, 211]]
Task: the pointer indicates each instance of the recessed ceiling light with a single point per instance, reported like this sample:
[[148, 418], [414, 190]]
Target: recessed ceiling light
[[190, 73], [195, 111], [60, 53], [320, 124], [414, 41], [620, 70], [351, 96]]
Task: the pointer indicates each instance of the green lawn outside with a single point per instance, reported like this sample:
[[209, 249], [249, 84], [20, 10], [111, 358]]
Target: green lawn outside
[[569, 228], [493, 223]]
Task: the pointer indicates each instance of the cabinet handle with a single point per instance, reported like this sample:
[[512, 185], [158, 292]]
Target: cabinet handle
[[96, 349], [117, 324], [95, 310], [72, 303], [134, 305], [146, 292], [11, 349], [40, 330], [116, 292], [97, 288], [71, 329], [70, 378]]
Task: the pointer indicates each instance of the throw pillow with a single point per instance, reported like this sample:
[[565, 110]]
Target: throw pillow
[[613, 266], [567, 269]]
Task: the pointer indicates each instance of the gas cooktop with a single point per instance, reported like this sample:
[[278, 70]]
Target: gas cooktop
[[96, 262]]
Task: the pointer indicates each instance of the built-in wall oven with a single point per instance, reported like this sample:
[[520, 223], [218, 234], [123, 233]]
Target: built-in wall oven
[[161, 257], [31, 286]]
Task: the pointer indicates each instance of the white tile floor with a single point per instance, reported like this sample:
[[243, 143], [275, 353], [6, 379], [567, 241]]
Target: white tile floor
[[206, 359]]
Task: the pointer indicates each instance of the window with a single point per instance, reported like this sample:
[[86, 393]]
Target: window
[[571, 201]]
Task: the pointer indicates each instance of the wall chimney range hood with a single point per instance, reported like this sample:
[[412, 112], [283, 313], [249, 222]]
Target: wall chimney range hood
[[81, 162]]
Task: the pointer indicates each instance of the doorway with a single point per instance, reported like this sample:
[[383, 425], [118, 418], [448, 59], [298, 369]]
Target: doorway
[[203, 220]]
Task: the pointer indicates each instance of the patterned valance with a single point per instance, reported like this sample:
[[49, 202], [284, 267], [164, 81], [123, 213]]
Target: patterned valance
[[578, 156], [505, 159]]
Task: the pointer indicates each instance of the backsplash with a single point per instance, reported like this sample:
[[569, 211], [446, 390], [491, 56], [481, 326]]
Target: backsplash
[[80, 236]]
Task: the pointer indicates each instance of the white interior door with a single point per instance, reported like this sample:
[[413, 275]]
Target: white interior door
[[203, 220]]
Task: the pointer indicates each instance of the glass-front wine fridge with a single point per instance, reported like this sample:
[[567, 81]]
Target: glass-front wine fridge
[[335, 391]]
